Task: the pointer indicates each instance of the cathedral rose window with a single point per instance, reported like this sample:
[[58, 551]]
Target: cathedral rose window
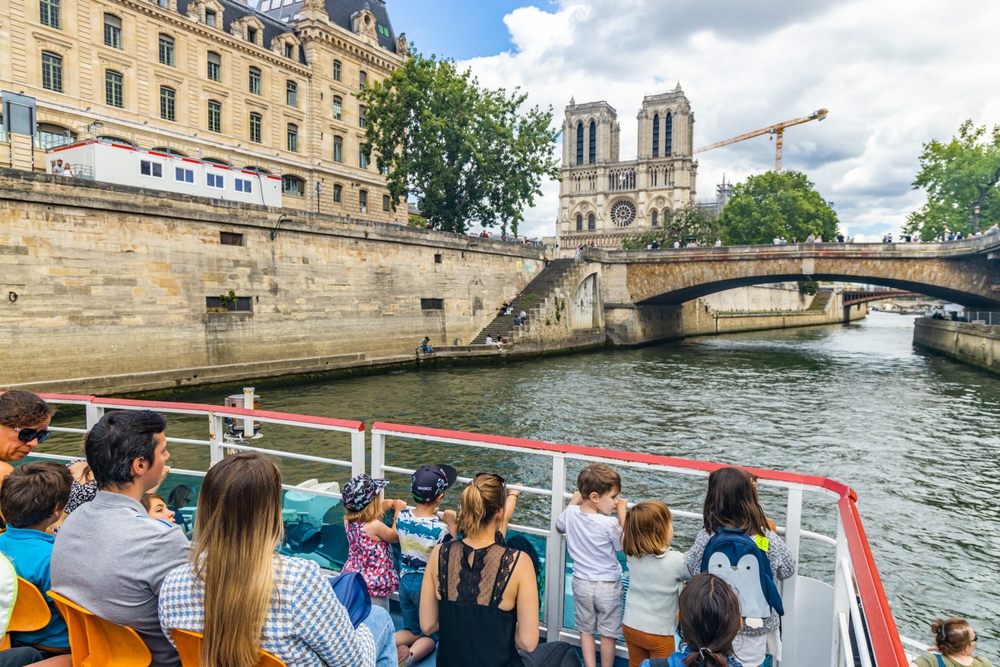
[[623, 213]]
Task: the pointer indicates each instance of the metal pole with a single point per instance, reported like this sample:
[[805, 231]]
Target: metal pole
[[215, 430], [358, 452], [555, 555], [841, 605], [378, 453], [94, 414], [248, 404], [793, 536]]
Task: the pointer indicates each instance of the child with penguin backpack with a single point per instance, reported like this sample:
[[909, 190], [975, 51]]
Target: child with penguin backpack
[[737, 545]]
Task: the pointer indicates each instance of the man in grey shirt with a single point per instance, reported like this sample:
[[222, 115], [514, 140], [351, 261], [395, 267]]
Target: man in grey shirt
[[110, 557]]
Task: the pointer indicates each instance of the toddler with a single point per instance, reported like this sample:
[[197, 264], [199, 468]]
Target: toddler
[[656, 575], [368, 538], [593, 538], [32, 499], [421, 529]]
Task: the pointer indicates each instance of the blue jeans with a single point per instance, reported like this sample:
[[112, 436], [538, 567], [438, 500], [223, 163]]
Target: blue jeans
[[409, 601], [382, 629]]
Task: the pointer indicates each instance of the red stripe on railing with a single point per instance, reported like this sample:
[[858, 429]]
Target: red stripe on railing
[[882, 628], [632, 457], [202, 407]]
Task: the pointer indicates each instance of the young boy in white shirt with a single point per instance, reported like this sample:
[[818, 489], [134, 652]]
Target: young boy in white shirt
[[593, 537]]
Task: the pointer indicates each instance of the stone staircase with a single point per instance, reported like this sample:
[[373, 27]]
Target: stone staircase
[[531, 300], [821, 301]]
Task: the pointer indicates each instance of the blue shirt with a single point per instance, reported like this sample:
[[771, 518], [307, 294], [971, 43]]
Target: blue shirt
[[677, 659], [31, 552]]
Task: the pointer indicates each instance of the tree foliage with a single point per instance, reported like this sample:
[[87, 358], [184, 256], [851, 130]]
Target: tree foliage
[[684, 223], [466, 152], [959, 177], [776, 205]]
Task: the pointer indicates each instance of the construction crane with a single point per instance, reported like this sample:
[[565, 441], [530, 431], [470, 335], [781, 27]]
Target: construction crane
[[776, 129]]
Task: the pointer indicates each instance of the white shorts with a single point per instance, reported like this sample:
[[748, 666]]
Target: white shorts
[[751, 651], [597, 607]]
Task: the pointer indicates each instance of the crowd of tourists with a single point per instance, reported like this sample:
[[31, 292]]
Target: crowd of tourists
[[97, 533]]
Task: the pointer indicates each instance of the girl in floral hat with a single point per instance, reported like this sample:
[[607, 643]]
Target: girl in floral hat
[[368, 538]]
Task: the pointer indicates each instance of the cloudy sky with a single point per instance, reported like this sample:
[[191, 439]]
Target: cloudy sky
[[893, 75]]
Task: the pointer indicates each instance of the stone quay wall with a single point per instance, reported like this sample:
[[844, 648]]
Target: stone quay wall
[[973, 344], [106, 289]]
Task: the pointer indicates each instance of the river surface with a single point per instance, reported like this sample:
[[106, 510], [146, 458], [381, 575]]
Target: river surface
[[916, 435]]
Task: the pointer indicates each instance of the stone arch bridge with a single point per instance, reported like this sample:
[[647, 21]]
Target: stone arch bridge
[[641, 290]]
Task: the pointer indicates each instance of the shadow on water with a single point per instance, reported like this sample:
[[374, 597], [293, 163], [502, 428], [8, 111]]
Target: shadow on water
[[915, 434]]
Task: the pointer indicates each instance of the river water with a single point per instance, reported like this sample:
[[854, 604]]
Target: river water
[[916, 435]]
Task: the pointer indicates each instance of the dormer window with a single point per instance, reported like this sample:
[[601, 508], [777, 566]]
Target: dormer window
[[289, 51], [252, 35], [209, 18]]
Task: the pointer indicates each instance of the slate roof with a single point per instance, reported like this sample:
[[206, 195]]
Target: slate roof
[[340, 12], [235, 10]]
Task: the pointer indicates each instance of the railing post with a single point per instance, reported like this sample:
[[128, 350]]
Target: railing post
[[358, 452], [216, 428], [841, 604], [94, 414], [378, 453], [555, 556], [793, 537]]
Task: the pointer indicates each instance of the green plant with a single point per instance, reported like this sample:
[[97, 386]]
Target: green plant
[[227, 299], [548, 322], [531, 299], [808, 286]]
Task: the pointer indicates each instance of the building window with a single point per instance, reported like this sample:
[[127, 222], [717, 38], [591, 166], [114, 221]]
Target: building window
[[209, 17], [593, 142], [214, 66], [656, 138], [362, 159], [231, 238], [337, 70], [655, 215], [52, 72], [167, 50], [338, 194], [290, 51], [214, 116], [241, 304], [438, 258], [254, 79], [432, 304], [255, 123], [669, 137], [149, 168], [338, 108], [112, 31], [291, 93], [48, 13], [382, 30], [53, 136], [168, 103], [386, 203], [363, 78], [338, 149], [362, 121], [591, 222], [363, 201], [182, 175], [243, 185], [252, 35], [216, 181], [292, 185], [579, 143], [114, 89], [293, 138], [579, 223]]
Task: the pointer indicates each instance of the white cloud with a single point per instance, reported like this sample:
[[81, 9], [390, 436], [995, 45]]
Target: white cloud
[[893, 75]]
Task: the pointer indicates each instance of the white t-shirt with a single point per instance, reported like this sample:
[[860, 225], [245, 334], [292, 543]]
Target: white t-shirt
[[593, 540], [654, 586]]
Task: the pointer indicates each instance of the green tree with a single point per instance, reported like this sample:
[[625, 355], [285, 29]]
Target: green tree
[[685, 223], [961, 181], [466, 152], [776, 205]]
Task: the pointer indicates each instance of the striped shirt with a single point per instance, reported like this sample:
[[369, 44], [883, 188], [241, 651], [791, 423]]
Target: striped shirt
[[306, 626], [417, 538]]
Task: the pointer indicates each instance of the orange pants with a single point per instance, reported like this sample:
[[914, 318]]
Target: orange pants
[[642, 645]]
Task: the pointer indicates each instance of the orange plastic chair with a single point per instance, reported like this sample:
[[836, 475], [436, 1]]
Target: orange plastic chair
[[30, 613], [96, 642], [188, 645]]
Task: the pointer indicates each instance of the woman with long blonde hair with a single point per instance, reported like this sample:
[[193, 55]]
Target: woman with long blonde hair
[[244, 597]]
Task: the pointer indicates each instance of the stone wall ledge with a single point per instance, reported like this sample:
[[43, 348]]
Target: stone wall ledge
[[973, 344]]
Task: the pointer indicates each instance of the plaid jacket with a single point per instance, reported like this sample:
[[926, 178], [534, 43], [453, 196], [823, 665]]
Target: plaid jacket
[[306, 625]]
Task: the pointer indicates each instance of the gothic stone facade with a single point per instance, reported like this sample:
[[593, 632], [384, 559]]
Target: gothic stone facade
[[601, 198], [212, 79]]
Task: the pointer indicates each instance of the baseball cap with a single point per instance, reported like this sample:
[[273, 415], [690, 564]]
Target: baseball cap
[[361, 490], [429, 482]]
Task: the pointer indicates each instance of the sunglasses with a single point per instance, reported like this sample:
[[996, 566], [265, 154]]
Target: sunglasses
[[28, 434], [497, 476]]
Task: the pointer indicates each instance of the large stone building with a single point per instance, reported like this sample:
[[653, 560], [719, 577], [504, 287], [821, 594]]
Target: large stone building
[[271, 90], [602, 198]]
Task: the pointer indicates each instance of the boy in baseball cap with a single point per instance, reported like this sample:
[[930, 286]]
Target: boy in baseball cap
[[421, 529]]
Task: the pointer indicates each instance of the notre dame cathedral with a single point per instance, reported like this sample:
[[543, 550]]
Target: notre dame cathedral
[[601, 198]]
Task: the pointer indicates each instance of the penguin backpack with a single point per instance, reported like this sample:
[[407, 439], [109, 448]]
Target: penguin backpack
[[743, 563]]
